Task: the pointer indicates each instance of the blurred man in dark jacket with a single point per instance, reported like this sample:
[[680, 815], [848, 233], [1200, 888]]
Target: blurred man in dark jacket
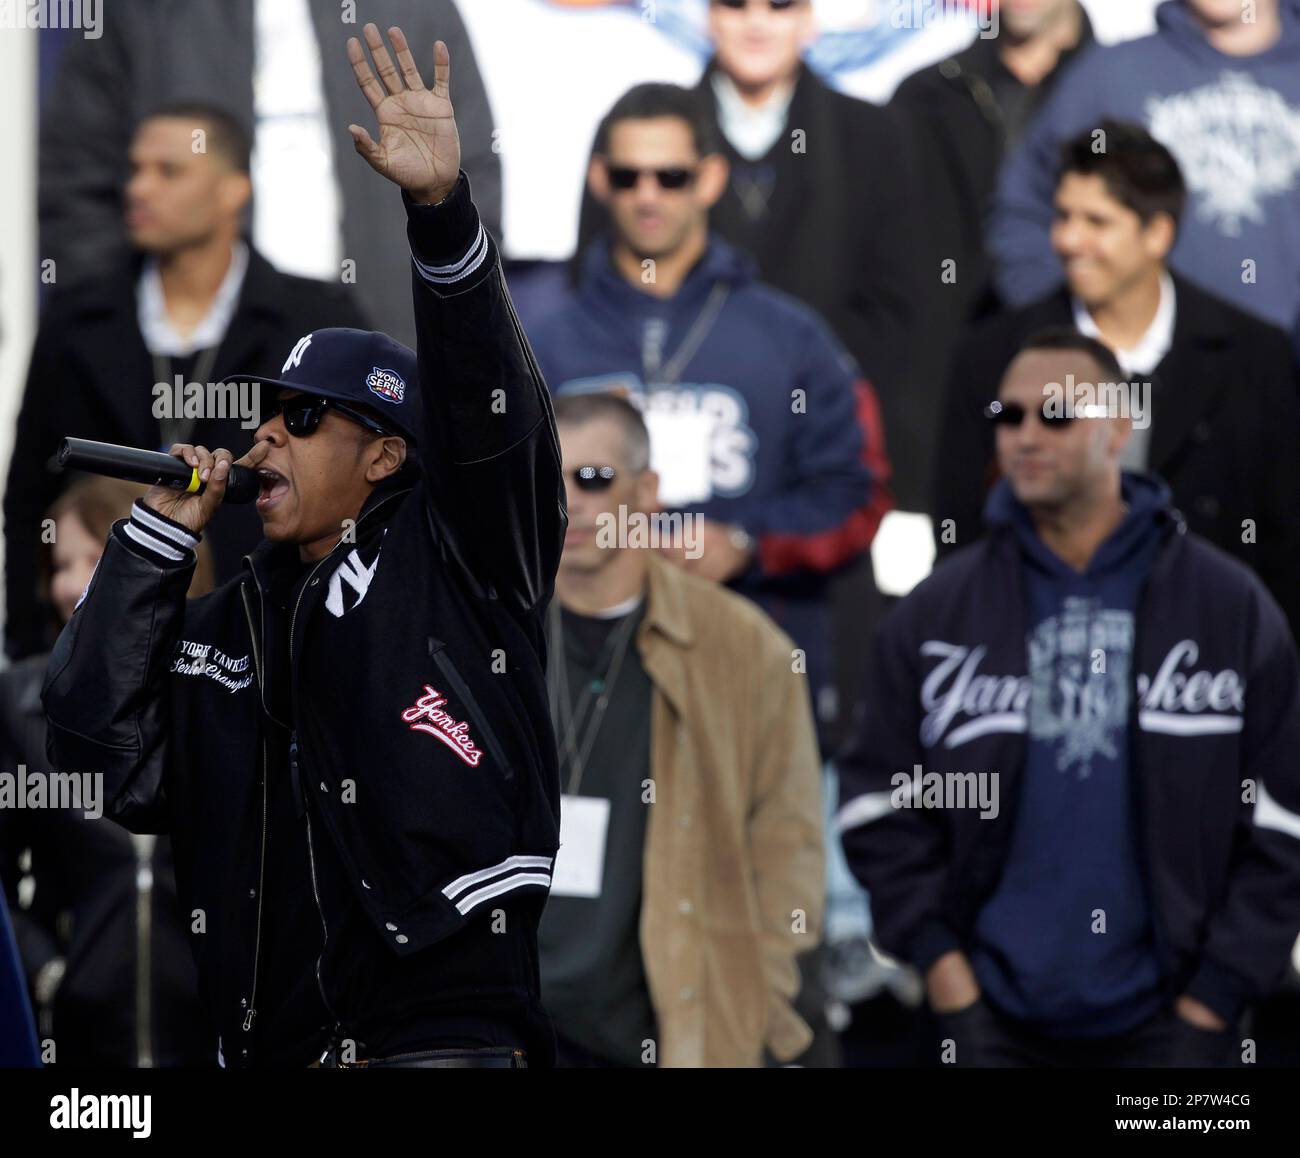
[[965, 114], [822, 194], [1222, 417], [194, 302], [314, 207]]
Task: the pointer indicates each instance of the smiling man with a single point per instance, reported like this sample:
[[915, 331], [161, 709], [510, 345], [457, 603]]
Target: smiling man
[[1219, 386], [351, 743]]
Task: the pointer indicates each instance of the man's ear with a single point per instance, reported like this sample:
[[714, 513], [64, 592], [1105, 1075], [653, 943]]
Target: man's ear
[[388, 461], [236, 193], [598, 178], [711, 179], [647, 491], [1159, 235], [1121, 430]]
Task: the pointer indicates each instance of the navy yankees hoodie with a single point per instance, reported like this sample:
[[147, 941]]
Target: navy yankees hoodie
[[1065, 940], [796, 453], [965, 681]]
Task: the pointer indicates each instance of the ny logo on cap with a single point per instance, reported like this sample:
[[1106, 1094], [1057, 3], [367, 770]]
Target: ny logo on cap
[[295, 355]]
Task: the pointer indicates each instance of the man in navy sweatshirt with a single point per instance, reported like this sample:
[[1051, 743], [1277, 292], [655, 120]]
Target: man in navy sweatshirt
[[760, 422], [1075, 797], [1219, 84]]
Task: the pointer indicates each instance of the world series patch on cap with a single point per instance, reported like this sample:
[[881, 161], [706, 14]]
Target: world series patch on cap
[[363, 367]]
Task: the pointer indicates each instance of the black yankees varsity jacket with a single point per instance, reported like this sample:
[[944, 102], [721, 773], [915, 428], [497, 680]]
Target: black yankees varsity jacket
[[421, 740]]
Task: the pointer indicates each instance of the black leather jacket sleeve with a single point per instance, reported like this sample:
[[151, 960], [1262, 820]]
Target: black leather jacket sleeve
[[490, 455], [105, 691]]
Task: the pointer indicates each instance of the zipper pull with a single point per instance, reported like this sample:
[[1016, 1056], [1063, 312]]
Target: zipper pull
[[295, 778], [248, 1019]]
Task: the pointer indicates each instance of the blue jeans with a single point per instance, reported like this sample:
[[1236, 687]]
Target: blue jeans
[[848, 908]]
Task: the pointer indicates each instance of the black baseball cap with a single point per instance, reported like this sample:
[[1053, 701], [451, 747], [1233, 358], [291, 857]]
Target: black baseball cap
[[363, 367]]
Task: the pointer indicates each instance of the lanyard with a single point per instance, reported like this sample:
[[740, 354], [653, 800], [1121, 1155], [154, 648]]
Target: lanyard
[[656, 372], [595, 696]]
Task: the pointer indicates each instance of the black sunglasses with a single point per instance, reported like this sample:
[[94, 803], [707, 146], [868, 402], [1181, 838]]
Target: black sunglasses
[[1013, 414], [622, 177], [593, 478], [775, 5], [303, 414]]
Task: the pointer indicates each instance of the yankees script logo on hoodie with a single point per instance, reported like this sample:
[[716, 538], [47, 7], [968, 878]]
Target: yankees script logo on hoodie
[[1176, 702]]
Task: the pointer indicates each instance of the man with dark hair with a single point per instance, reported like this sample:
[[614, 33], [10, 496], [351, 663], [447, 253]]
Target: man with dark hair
[[195, 302], [652, 100], [1218, 82], [821, 195], [1074, 797], [350, 742], [759, 421], [1213, 389], [675, 825], [215, 131], [1137, 169], [313, 215]]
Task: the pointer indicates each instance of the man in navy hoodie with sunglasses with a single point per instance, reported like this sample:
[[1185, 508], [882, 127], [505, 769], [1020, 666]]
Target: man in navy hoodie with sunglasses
[[1075, 796], [760, 423]]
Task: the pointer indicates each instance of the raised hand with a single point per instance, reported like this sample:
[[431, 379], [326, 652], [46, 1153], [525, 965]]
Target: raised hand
[[419, 146]]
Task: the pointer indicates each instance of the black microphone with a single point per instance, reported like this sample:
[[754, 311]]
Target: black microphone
[[151, 467]]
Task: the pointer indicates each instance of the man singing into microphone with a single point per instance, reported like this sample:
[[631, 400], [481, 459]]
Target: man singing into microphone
[[350, 744]]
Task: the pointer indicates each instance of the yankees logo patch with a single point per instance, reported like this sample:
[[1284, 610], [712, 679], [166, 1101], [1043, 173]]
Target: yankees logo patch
[[295, 355], [353, 572], [428, 715]]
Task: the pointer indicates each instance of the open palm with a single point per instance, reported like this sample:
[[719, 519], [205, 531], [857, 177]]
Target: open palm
[[419, 146]]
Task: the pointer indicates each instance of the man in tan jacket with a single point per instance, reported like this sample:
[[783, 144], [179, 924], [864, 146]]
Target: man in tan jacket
[[691, 870]]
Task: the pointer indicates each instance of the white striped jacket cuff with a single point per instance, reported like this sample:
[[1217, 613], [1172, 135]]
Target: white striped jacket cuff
[[158, 538], [515, 872], [443, 276]]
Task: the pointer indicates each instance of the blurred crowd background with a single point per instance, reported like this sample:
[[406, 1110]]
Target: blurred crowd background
[[886, 227]]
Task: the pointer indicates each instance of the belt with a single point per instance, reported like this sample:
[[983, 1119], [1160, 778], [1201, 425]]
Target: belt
[[495, 1058]]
